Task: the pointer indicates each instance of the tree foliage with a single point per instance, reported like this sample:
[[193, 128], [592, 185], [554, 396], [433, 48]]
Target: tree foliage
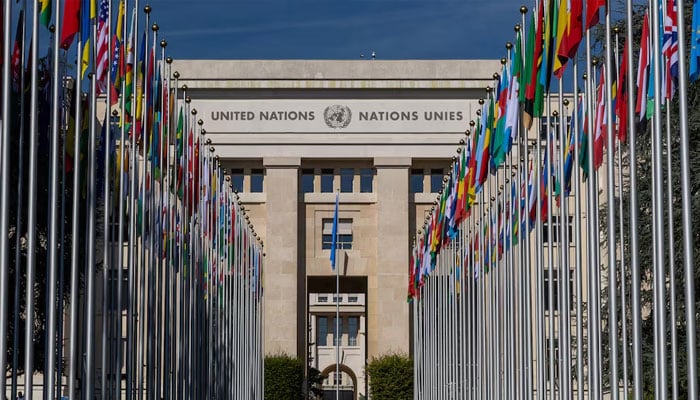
[[284, 378], [390, 377]]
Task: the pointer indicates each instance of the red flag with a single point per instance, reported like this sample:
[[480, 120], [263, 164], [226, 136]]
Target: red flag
[[16, 62], [593, 12], [71, 22], [622, 97], [600, 122], [574, 33]]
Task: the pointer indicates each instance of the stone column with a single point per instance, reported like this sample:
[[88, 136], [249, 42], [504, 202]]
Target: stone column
[[281, 262], [388, 316]]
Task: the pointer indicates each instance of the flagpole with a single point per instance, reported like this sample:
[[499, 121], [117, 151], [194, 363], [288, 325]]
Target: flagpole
[[31, 207], [337, 308], [688, 263], [577, 227], [660, 375], [4, 189]]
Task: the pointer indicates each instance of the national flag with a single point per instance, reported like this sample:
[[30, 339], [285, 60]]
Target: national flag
[[572, 34], [117, 69], [600, 122], [670, 49], [593, 12], [527, 96], [694, 68], [45, 12], [540, 57], [550, 36], [334, 232], [499, 142], [102, 49], [532, 197], [622, 97], [16, 62], [643, 71], [71, 22], [87, 14], [129, 70], [461, 206], [512, 117]]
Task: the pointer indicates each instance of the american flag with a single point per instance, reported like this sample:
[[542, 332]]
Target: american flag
[[102, 54]]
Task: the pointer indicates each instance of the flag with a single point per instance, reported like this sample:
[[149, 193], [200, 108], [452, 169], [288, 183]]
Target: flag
[[571, 36], [600, 122], [16, 61], [129, 70], [71, 22], [643, 71], [334, 232], [593, 12], [117, 71], [45, 12], [562, 28], [550, 36], [540, 64], [622, 97], [695, 42], [87, 13], [670, 49], [102, 49], [527, 96]]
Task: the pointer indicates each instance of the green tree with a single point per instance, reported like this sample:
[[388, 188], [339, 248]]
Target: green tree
[[390, 377], [284, 378]]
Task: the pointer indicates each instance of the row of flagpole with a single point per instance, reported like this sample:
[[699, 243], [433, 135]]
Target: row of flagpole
[[502, 312], [136, 197]]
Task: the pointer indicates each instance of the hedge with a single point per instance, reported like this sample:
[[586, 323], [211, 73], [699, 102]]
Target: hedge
[[390, 377], [284, 378]]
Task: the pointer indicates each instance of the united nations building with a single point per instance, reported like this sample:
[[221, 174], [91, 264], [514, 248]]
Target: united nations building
[[292, 134]]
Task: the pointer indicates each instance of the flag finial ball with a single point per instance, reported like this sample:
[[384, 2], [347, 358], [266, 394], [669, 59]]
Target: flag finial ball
[[512, 174], [516, 28], [200, 122], [454, 158], [584, 77], [467, 132], [163, 43], [566, 102], [184, 87], [52, 28], [523, 9], [509, 46], [594, 61], [481, 102], [228, 179], [188, 99], [169, 60], [194, 111], [115, 113], [555, 113], [471, 123], [503, 59], [461, 141], [176, 75], [147, 9], [616, 30], [211, 149], [488, 88], [204, 131], [495, 76], [208, 141]]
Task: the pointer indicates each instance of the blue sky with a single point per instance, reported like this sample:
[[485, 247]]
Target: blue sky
[[334, 29]]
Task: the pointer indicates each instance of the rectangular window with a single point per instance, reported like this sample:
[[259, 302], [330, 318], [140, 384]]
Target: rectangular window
[[327, 180], [366, 180], [553, 304], [322, 331], [344, 239], [352, 299], [307, 180], [237, 179], [416, 181], [346, 177], [336, 338], [323, 299], [353, 325], [556, 230], [256, 180], [436, 175]]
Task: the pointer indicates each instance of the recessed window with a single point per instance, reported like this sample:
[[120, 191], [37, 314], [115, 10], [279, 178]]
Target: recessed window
[[256, 180], [436, 175], [366, 180], [322, 331], [344, 240], [553, 303], [327, 180], [237, 179], [336, 338], [556, 230], [352, 299], [346, 177], [353, 325], [416, 181], [307, 180], [323, 299]]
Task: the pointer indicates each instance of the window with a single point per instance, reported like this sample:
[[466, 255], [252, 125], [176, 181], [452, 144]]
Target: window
[[416, 181], [337, 378], [344, 239], [436, 175], [352, 299], [556, 227], [554, 125], [323, 299], [322, 331], [346, 177], [353, 323], [554, 303], [237, 179], [307, 180], [366, 179], [256, 181], [336, 338], [326, 181]]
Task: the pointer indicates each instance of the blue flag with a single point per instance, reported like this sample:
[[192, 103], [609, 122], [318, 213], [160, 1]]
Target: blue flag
[[334, 232], [695, 43]]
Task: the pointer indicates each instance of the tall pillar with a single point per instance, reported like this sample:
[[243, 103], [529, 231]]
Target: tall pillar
[[282, 292], [388, 316]]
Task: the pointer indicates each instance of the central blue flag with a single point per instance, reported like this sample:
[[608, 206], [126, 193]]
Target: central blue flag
[[334, 241]]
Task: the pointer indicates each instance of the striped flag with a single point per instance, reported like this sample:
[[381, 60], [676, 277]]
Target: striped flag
[[102, 51], [670, 50], [45, 12]]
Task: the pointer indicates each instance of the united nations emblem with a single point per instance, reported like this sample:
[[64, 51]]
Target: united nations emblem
[[337, 116]]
